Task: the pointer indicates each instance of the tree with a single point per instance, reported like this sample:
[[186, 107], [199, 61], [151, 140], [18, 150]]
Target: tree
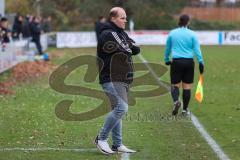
[[19, 6], [80, 14], [154, 14]]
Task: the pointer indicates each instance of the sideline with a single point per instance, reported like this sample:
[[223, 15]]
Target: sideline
[[124, 156]]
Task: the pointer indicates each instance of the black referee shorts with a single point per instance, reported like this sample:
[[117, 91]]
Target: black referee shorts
[[182, 70]]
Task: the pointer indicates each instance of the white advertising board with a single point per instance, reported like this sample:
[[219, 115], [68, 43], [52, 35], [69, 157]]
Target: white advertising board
[[76, 39], [230, 38], [149, 37], [88, 39], [208, 37]]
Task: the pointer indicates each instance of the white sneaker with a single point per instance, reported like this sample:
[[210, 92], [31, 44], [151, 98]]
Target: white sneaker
[[103, 146], [123, 149], [186, 112]]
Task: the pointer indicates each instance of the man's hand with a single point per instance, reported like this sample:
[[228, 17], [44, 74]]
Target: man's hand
[[168, 63], [201, 68], [135, 49], [130, 42]]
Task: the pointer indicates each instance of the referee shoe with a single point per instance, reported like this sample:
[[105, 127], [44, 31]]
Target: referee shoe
[[176, 106]]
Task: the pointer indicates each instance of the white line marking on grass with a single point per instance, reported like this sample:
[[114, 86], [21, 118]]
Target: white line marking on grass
[[212, 143], [216, 148], [124, 156], [49, 149], [153, 73]]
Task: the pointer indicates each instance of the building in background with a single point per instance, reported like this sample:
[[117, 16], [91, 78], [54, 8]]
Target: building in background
[[213, 3], [214, 10]]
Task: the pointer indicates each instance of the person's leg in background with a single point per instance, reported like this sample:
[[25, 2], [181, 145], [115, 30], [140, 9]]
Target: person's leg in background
[[188, 78], [175, 76], [175, 97], [38, 45], [175, 92], [186, 96]]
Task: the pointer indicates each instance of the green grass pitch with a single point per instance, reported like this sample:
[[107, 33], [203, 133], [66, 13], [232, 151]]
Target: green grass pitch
[[28, 120]]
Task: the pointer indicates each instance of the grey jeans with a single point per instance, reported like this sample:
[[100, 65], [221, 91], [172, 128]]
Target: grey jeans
[[117, 93]]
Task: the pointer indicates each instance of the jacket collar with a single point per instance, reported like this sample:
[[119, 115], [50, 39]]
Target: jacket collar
[[115, 27], [110, 25]]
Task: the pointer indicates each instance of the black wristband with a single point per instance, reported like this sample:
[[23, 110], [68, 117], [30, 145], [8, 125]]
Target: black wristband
[[168, 63], [201, 68]]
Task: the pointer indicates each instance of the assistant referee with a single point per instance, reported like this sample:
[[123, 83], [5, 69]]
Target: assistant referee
[[182, 44]]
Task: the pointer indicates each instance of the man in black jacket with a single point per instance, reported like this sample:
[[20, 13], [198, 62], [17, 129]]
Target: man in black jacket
[[36, 30], [98, 25], [17, 27], [114, 51]]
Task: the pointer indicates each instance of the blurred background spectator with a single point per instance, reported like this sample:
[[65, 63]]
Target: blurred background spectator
[[46, 24], [26, 32], [36, 30], [5, 33], [99, 24], [17, 27]]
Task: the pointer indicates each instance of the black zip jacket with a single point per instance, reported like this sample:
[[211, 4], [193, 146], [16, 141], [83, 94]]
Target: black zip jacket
[[114, 52], [35, 29]]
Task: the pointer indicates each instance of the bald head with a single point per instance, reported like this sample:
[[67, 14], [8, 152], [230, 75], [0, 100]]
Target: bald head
[[118, 16], [115, 11]]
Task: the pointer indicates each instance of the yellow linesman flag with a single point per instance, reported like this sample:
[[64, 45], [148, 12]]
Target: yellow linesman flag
[[199, 91]]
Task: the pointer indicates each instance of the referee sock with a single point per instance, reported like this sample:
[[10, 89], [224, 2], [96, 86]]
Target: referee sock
[[186, 98], [175, 93]]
